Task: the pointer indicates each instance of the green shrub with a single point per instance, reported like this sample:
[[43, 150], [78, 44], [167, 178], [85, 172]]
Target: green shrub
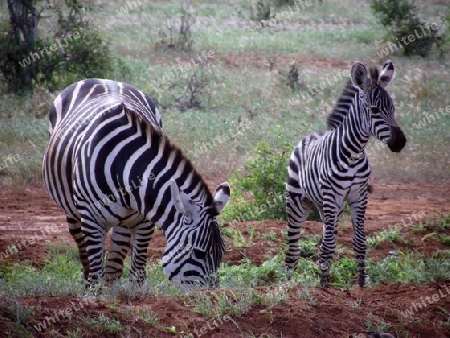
[[176, 32], [392, 12], [443, 41], [70, 51], [402, 18], [260, 193], [85, 57], [260, 10]]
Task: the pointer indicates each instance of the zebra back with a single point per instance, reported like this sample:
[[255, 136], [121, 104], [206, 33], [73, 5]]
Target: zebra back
[[88, 94]]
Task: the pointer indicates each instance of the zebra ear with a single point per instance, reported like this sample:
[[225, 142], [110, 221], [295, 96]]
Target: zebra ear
[[360, 76], [182, 201], [221, 196], [387, 74]]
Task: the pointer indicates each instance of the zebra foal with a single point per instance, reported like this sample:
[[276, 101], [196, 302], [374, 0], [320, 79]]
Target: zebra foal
[[109, 165], [330, 168]]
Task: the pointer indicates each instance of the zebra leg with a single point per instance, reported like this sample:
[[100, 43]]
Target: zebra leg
[[327, 245], [297, 209], [140, 237], [95, 236], [358, 204], [78, 236], [120, 242]]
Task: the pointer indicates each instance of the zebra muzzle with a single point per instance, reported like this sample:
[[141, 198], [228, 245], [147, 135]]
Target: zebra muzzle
[[397, 141]]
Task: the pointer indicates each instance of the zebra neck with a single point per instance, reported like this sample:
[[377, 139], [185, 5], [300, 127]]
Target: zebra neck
[[342, 106], [154, 199], [150, 157], [157, 204], [354, 134]]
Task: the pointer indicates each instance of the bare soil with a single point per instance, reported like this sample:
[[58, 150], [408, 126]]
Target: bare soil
[[31, 221]]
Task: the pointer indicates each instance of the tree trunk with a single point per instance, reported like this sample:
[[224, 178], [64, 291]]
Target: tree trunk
[[20, 44]]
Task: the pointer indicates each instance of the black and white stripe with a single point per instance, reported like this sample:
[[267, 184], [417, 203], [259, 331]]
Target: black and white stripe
[[330, 168], [108, 164]]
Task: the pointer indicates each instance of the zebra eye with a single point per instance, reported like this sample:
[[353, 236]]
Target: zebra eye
[[200, 253], [375, 110]]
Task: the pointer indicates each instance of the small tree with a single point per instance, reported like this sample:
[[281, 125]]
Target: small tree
[[177, 34], [72, 50], [18, 42]]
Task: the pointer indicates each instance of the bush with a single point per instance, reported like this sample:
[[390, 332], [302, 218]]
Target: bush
[[443, 41], [85, 57], [260, 10], [393, 12], [71, 51], [403, 19], [176, 33], [193, 90], [260, 194]]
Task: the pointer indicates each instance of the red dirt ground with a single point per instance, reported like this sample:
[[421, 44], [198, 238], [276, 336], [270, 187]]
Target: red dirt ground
[[30, 220]]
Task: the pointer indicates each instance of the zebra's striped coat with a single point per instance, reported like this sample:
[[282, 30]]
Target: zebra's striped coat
[[329, 168], [108, 164]]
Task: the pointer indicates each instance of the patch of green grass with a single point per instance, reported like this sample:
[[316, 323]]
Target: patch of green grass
[[218, 303], [343, 273], [147, 317], [268, 273], [445, 239], [438, 226], [103, 324], [387, 235], [309, 246], [442, 222], [411, 268], [22, 143], [251, 233], [354, 303], [307, 272], [23, 316], [403, 268], [236, 236], [76, 333], [374, 323], [237, 301], [304, 293], [60, 275], [420, 228], [270, 236]]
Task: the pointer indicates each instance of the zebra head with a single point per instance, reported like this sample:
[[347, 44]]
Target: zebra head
[[194, 255], [382, 110]]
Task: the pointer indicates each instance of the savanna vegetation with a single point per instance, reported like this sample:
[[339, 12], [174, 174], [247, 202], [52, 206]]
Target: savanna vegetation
[[221, 73]]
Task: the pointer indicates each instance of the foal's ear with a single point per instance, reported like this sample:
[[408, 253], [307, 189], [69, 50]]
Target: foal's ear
[[360, 76], [221, 196], [387, 74]]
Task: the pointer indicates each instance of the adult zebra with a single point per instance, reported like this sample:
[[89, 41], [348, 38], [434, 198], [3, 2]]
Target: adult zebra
[[327, 169], [108, 164]]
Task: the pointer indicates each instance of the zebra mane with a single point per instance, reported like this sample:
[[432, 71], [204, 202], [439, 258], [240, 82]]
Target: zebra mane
[[157, 134], [342, 106], [345, 100]]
